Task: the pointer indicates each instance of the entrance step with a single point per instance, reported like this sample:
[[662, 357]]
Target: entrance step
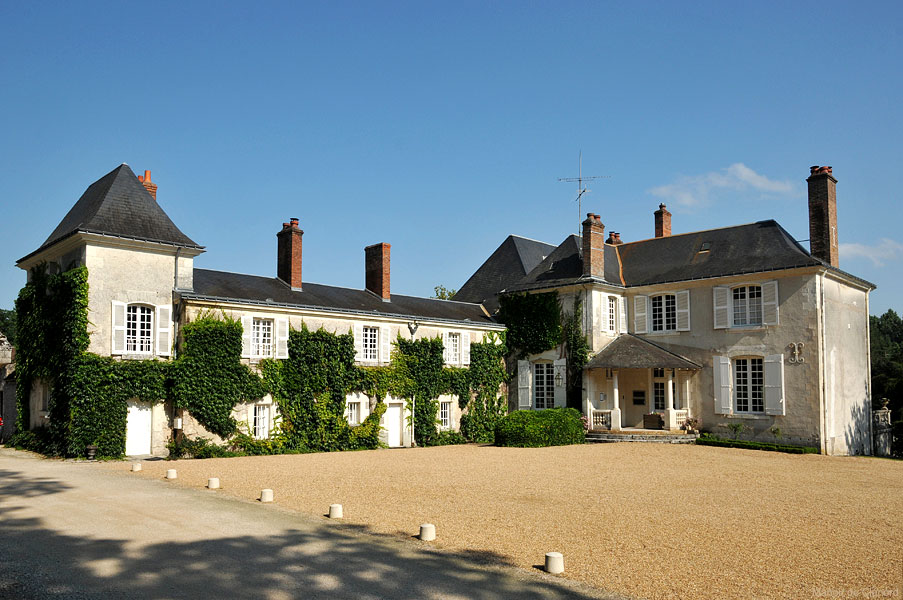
[[662, 437]]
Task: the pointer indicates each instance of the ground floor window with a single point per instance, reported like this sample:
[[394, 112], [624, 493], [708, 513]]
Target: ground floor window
[[261, 421], [658, 394], [749, 385], [544, 385], [354, 413], [445, 414], [639, 397]]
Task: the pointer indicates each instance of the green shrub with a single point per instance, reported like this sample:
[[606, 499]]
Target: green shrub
[[449, 438], [366, 435], [897, 444], [198, 448], [708, 439], [534, 429], [37, 440]]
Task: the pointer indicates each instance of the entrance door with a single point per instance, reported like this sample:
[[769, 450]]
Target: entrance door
[[394, 424], [138, 428]]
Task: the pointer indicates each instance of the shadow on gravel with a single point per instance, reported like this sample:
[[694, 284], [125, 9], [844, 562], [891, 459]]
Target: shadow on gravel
[[326, 562], [14, 484]]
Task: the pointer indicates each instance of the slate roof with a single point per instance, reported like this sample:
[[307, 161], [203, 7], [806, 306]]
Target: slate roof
[[514, 258], [118, 204], [254, 289], [629, 351], [752, 248]]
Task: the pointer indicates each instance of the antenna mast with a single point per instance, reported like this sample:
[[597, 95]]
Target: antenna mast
[[581, 187]]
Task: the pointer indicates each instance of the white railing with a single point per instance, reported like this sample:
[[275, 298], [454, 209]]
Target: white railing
[[680, 417], [601, 419]]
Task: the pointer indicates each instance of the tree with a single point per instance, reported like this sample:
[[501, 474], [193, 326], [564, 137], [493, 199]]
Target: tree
[[8, 325], [444, 293], [886, 333]]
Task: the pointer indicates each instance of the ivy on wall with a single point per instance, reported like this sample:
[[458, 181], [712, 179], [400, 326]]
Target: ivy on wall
[[485, 407], [576, 348], [533, 322]]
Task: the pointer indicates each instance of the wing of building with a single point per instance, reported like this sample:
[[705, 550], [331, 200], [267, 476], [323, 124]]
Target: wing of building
[[143, 285], [739, 324]]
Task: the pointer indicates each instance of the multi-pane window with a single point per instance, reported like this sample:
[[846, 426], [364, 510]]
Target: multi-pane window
[[658, 394], [544, 385], [262, 338], [139, 326], [445, 414], [354, 413], [664, 313], [261, 421], [370, 343], [749, 388], [454, 347], [612, 314], [747, 303]]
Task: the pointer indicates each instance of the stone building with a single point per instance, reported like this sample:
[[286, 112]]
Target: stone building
[[7, 388]]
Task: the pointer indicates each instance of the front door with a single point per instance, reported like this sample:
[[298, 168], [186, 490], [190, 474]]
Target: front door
[[394, 424], [138, 428]]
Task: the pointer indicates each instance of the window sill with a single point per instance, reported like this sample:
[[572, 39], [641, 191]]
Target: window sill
[[135, 356], [664, 333], [751, 416]]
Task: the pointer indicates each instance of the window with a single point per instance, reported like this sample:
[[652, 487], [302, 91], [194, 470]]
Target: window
[[371, 344], [445, 414], [612, 314], [747, 305], [261, 421], [139, 327], [664, 313], [262, 338], [543, 385], [453, 348], [749, 385], [658, 394], [354, 413], [639, 397]]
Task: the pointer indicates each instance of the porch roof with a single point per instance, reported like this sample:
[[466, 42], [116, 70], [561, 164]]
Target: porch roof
[[630, 351]]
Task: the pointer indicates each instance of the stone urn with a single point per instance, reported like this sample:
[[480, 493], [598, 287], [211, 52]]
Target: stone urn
[[91, 451]]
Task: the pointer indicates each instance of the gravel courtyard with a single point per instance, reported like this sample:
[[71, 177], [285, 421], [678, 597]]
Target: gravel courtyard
[[646, 520]]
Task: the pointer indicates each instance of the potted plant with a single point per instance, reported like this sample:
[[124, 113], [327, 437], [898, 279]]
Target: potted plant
[[653, 421], [691, 425]]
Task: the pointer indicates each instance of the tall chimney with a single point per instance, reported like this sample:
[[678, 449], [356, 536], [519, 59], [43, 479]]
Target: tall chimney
[[662, 222], [593, 246], [288, 251], [377, 269], [150, 186], [823, 215]]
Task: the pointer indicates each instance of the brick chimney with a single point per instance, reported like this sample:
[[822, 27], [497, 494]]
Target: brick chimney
[[823, 214], [150, 186], [662, 222], [377, 269], [593, 246], [288, 251]]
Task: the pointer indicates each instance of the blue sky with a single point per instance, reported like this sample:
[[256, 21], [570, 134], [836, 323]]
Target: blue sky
[[443, 127]]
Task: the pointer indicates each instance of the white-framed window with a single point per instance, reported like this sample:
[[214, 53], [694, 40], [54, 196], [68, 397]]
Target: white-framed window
[[261, 421], [445, 414], [370, 344], [658, 395], [749, 385], [354, 413], [453, 348], [139, 329], [746, 302], [543, 385], [612, 314], [664, 312], [262, 338]]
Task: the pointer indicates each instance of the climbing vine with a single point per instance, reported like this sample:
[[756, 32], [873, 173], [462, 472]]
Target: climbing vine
[[576, 348], [533, 322], [485, 406]]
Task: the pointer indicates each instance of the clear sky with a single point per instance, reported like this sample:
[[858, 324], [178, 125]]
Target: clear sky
[[443, 127]]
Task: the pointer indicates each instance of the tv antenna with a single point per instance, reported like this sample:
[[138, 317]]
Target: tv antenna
[[581, 186]]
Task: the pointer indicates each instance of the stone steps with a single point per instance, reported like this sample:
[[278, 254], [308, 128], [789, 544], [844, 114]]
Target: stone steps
[[659, 438]]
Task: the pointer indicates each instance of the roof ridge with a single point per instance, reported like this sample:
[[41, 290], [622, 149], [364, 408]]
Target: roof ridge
[[702, 231]]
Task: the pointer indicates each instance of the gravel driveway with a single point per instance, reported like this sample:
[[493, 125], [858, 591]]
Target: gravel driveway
[[646, 520]]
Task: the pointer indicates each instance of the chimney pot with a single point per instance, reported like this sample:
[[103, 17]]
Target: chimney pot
[[377, 270], [148, 184], [147, 175], [288, 254]]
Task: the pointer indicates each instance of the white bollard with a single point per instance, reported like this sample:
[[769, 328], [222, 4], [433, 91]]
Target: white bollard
[[136, 467], [554, 563], [213, 483], [335, 511], [171, 474], [266, 495], [427, 532]]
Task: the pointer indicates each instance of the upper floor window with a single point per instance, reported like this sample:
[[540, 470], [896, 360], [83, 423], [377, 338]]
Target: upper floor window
[[612, 314], [747, 305], [370, 344], [139, 328], [664, 313], [453, 348], [262, 338]]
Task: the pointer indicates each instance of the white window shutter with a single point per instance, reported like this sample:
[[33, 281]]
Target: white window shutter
[[164, 330], [770, 314], [722, 375], [720, 299], [560, 390], [622, 317], [385, 347], [246, 329], [445, 347], [524, 376], [358, 342], [281, 338], [774, 384], [465, 348], [683, 310], [639, 314], [118, 340]]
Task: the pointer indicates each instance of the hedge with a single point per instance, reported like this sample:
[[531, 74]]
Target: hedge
[[535, 429], [711, 440]]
